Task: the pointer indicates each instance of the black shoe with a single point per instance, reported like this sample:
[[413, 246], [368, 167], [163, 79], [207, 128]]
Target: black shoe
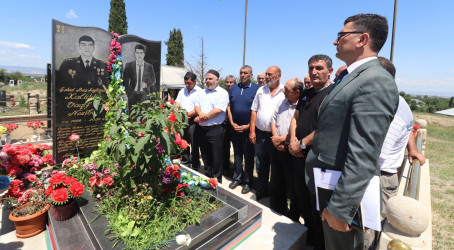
[[259, 196], [246, 189], [234, 184]]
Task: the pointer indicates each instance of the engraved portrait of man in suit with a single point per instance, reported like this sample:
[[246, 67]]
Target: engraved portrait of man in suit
[[138, 77]]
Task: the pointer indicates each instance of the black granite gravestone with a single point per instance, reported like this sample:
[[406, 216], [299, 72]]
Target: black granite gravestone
[[79, 57], [236, 220], [2, 98]]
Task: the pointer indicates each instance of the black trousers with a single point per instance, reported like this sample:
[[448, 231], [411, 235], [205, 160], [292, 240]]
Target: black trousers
[[243, 149], [311, 216], [190, 156], [264, 153], [282, 187], [226, 147], [211, 140]]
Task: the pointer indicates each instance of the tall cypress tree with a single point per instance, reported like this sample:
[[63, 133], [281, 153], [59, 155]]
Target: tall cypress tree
[[175, 55], [117, 17]]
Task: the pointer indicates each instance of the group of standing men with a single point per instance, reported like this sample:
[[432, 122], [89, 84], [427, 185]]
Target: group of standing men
[[298, 127]]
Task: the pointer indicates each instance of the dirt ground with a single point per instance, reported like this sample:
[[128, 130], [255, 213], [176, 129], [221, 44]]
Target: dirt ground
[[42, 93], [443, 120]]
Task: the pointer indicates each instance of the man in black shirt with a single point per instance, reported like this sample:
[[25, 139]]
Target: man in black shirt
[[302, 128]]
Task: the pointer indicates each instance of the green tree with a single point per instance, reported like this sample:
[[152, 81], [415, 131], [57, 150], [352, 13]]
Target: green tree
[[451, 102], [3, 75], [175, 55], [117, 17]]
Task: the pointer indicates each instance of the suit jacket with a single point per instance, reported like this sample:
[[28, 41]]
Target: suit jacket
[[353, 121], [130, 77], [72, 73]]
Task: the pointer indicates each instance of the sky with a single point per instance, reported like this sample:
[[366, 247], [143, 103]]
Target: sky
[[285, 33]]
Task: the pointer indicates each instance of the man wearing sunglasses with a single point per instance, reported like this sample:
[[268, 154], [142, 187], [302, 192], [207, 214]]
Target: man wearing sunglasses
[[352, 124]]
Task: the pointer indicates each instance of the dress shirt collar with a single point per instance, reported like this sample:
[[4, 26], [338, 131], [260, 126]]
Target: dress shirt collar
[[85, 59], [356, 64], [280, 88], [287, 101], [192, 90], [207, 90], [245, 86]]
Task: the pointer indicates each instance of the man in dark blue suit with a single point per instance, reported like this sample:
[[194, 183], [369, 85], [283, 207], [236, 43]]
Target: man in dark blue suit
[[138, 78], [353, 121]]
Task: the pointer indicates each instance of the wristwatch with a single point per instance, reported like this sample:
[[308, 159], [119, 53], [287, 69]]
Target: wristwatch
[[302, 145]]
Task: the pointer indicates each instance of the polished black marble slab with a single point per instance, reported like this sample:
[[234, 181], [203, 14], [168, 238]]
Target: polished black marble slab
[[213, 231]]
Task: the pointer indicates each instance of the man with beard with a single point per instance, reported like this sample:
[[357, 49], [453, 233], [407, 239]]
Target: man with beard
[[210, 107], [239, 112], [267, 98]]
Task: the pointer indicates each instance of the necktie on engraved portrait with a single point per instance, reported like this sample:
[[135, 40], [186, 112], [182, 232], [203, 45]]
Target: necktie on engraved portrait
[[140, 78], [87, 64]]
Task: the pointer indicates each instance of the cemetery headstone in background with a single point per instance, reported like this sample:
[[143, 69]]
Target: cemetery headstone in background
[[80, 73], [2, 98]]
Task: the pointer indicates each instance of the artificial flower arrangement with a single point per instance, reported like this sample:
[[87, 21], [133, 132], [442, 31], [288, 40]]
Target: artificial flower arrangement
[[35, 124], [10, 127], [62, 189], [23, 164]]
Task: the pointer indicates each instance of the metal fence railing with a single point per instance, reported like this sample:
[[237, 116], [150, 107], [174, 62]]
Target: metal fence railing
[[414, 173]]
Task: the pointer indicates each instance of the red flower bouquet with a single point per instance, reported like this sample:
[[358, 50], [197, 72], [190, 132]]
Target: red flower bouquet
[[10, 127], [62, 189], [35, 124], [22, 163]]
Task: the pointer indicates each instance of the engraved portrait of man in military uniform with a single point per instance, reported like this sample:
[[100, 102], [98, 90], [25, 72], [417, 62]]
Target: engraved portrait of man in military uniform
[[85, 70]]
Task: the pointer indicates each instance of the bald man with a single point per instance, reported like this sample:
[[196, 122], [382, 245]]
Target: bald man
[[265, 101]]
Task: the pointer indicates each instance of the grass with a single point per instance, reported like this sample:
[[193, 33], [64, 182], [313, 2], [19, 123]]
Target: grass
[[439, 150], [25, 86]]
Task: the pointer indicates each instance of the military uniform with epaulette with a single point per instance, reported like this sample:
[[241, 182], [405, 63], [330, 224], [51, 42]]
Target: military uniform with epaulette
[[74, 73]]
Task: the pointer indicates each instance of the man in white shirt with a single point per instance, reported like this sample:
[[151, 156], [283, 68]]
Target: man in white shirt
[[186, 99], [398, 138], [210, 107], [265, 102], [282, 173]]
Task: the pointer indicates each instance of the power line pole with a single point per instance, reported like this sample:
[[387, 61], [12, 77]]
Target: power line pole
[[394, 31], [245, 24]]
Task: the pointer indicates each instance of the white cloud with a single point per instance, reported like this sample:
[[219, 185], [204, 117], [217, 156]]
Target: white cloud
[[71, 14], [452, 70], [16, 45], [5, 52], [28, 56]]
